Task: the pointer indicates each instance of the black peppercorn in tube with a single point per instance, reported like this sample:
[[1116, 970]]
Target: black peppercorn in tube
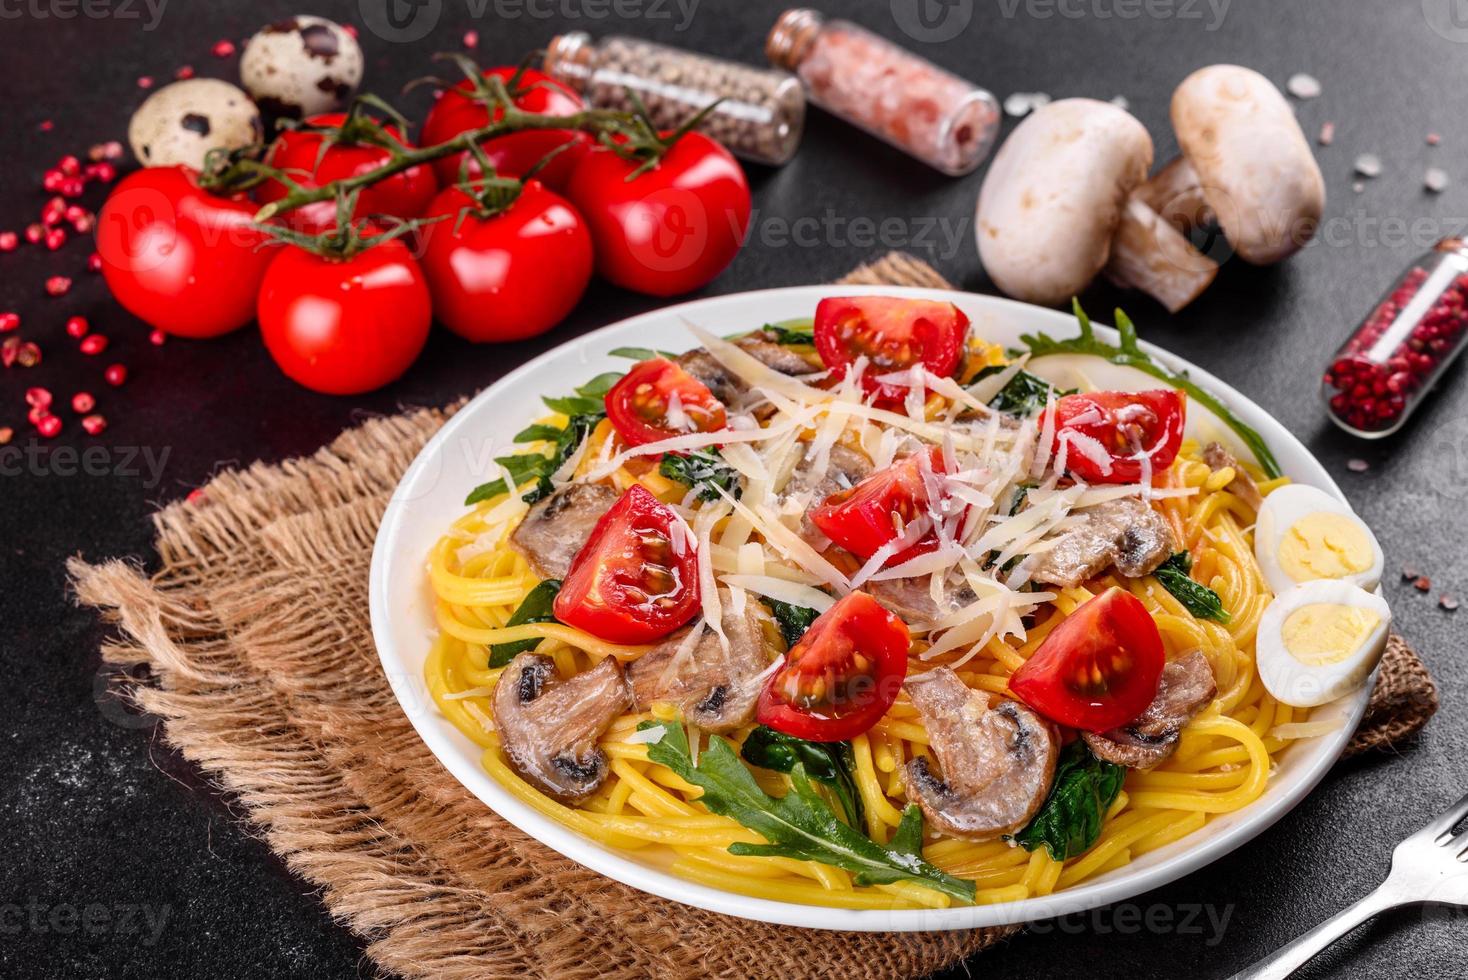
[[760, 117]]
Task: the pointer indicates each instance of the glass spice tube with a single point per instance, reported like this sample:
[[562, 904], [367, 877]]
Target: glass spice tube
[[1383, 371], [760, 118], [932, 114]]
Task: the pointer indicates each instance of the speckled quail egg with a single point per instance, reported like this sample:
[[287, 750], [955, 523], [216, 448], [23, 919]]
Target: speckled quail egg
[[301, 66], [1319, 641], [182, 122], [1305, 534]]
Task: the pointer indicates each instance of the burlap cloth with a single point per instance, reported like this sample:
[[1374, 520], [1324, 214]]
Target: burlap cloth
[[253, 638]]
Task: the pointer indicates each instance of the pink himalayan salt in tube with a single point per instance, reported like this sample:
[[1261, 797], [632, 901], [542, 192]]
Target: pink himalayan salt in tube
[[921, 109]]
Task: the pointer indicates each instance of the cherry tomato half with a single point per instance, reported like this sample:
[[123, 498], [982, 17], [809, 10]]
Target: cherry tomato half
[[631, 582], [671, 229], [841, 676], [1131, 426], [872, 513], [311, 160], [658, 400], [1099, 668], [893, 333], [511, 275], [179, 258], [345, 326], [514, 154]]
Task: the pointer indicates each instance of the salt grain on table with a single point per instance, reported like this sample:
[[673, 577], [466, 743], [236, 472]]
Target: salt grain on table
[[1303, 86], [1368, 165], [1358, 187], [1435, 179], [1358, 466], [1448, 603]]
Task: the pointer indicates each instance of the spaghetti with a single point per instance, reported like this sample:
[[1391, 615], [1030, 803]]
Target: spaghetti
[[1222, 763]]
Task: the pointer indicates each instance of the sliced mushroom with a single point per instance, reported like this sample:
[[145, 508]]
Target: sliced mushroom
[[997, 759], [548, 727], [1124, 532], [556, 528], [727, 386], [847, 468], [912, 601], [1056, 208], [1186, 688], [715, 689], [1245, 163], [1242, 485]]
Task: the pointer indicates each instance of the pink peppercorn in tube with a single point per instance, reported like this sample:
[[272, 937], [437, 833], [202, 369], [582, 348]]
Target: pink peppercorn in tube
[[1383, 371], [932, 114]]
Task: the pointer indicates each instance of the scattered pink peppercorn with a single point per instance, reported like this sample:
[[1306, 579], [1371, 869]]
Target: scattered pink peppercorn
[[38, 397], [82, 402], [9, 351], [184, 72], [28, 354], [6, 434], [69, 165], [58, 286], [223, 49], [105, 172], [94, 262], [1422, 583], [37, 413], [93, 344], [77, 326], [471, 39], [55, 238], [157, 338], [34, 232], [9, 241], [115, 375], [73, 186], [50, 426], [1448, 602], [1410, 571], [9, 321], [195, 496], [145, 81], [46, 125], [94, 425], [53, 212]]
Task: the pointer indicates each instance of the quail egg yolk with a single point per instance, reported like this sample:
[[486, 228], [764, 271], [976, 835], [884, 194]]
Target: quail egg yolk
[[1326, 633], [1324, 545]]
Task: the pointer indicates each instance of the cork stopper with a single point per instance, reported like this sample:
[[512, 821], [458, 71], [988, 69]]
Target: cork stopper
[[568, 59], [792, 35]]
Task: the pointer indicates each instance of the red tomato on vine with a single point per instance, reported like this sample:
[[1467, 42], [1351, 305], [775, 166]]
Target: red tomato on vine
[[506, 275], [516, 153]]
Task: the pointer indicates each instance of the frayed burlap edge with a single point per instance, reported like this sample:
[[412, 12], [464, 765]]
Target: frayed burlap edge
[[260, 664]]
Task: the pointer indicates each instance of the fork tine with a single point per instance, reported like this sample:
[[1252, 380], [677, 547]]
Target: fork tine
[[1439, 829]]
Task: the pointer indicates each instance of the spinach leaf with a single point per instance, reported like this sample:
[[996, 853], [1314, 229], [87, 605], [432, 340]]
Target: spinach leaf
[[534, 608], [583, 411], [1024, 395], [703, 469], [1129, 354], [1070, 821], [831, 763], [793, 620], [792, 333], [641, 353], [1196, 597], [800, 825]]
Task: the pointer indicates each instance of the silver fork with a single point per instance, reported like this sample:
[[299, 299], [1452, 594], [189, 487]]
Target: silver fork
[[1428, 868]]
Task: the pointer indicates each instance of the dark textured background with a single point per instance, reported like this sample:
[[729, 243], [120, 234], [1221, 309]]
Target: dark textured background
[[95, 811]]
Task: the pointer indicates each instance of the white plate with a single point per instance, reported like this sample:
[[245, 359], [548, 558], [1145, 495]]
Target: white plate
[[431, 496]]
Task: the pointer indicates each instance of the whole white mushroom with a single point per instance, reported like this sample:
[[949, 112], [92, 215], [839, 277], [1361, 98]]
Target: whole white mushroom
[[302, 66], [1057, 208], [182, 122]]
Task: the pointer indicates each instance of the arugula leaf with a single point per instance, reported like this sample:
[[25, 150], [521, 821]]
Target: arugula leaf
[[793, 620], [1024, 395], [598, 386], [1196, 597], [573, 405], [522, 468], [534, 608], [703, 469], [831, 763], [1129, 354], [801, 824], [640, 353], [1070, 820]]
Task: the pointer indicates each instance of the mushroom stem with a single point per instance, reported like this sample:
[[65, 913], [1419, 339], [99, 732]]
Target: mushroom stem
[[1175, 193], [1149, 254]]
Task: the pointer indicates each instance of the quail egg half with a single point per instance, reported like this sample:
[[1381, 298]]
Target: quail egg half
[[182, 122], [1319, 641], [1305, 534], [302, 66]]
